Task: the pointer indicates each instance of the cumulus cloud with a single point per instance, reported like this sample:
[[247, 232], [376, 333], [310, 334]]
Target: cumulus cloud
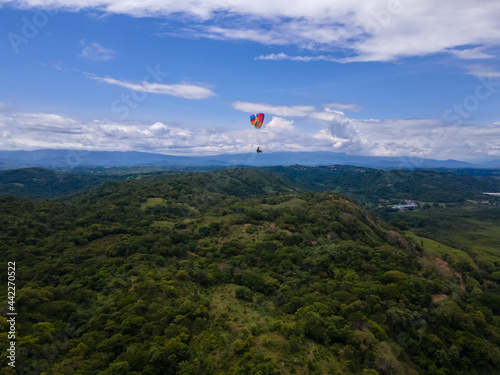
[[29, 131], [423, 138], [181, 90], [419, 138], [26, 131], [354, 30], [337, 122], [278, 110], [94, 51], [41, 122], [280, 125], [341, 129], [159, 129], [431, 138]]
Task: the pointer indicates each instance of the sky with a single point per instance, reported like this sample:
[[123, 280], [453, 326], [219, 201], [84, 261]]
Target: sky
[[417, 78]]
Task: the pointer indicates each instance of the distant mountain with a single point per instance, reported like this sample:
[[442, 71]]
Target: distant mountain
[[62, 159], [489, 164], [56, 159]]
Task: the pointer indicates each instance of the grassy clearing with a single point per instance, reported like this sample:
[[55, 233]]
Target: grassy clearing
[[257, 318], [439, 250], [163, 224], [153, 202], [485, 237], [292, 203], [241, 312], [252, 233], [475, 226]]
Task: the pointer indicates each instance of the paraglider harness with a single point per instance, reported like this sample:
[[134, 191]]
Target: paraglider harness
[[259, 151]]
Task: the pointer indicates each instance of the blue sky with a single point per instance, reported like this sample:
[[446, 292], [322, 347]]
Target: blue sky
[[379, 77]]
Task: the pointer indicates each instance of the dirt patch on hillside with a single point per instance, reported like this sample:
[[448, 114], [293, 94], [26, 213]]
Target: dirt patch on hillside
[[446, 267], [459, 275], [436, 298], [443, 264], [395, 238]]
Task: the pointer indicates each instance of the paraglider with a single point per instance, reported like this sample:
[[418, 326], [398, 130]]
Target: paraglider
[[257, 120]]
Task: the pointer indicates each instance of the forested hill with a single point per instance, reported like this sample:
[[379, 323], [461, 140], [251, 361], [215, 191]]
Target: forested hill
[[45, 183], [368, 184], [235, 272], [365, 184], [40, 183]]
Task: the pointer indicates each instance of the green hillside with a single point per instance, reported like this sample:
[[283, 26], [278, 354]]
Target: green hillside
[[40, 183], [364, 184], [369, 185], [44, 183], [468, 227], [238, 272]]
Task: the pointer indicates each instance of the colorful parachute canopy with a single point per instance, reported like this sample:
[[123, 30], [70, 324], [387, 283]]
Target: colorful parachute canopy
[[257, 120]]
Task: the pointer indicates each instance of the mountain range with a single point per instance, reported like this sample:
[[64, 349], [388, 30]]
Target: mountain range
[[61, 159]]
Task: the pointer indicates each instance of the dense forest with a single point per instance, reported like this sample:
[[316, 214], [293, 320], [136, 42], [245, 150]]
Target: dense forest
[[249, 271], [367, 185]]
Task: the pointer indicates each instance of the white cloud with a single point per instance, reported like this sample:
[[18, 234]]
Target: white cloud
[[484, 71], [423, 138], [28, 131], [344, 107], [375, 30], [418, 138], [340, 127], [159, 129], [280, 125], [284, 56], [472, 53], [181, 90], [94, 51], [255, 35], [278, 110], [43, 122]]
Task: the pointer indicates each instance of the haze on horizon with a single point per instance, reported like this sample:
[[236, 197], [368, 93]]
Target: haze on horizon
[[376, 78]]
